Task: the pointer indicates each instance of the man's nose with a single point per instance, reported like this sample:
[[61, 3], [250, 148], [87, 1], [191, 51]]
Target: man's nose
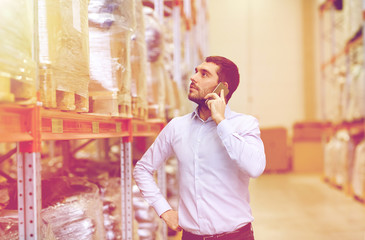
[[192, 78]]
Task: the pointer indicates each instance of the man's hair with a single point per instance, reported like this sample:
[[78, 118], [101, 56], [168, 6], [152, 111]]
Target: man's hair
[[227, 72]]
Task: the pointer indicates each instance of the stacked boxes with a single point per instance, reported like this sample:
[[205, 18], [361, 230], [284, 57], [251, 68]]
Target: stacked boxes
[[64, 54], [17, 67]]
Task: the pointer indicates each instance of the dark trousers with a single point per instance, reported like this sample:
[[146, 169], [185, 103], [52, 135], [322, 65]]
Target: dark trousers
[[244, 233]]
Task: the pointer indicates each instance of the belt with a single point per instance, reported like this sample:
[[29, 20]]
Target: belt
[[226, 235]]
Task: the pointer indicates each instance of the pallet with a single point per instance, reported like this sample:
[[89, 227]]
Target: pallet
[[125, 110], [156, 112], [66, 101], [104, 103], [124, 103], [139, 109]]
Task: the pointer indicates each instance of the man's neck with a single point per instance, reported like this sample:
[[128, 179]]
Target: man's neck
[[204, 112]]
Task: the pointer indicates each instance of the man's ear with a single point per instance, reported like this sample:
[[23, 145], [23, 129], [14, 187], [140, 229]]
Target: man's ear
[[225, 84]]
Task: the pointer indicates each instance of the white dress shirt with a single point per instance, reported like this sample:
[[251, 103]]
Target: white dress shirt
[[215, 163]]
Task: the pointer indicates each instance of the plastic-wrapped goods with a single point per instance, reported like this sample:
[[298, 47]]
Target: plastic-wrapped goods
[[17, 67], [64, 54], [172, 109], [73, 209], [9, 225], [103, 175], [353, 17], [358, 179], [334, 86], [155, 66], [110, 27], [339, 159], [111, 197], [145, 216], [138, 65], [355, 108]]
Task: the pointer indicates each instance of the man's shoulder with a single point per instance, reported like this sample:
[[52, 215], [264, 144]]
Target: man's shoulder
[[241, 116], [180, 119]]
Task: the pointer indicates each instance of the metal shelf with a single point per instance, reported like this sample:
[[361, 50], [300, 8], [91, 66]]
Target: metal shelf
[[31, 124]]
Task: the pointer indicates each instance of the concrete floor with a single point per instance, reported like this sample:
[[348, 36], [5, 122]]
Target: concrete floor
[[304, 207]]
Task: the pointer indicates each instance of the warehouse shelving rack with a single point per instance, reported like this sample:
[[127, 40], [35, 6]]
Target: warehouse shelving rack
[[335, 61], [30, 125]]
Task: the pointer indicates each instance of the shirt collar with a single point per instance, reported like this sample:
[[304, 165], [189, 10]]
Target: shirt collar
[[227, 113]]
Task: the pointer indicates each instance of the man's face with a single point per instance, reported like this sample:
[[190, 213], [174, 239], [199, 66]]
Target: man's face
[[203, 82]]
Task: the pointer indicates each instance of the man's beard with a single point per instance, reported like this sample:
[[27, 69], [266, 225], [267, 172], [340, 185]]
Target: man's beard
[[197, 99]]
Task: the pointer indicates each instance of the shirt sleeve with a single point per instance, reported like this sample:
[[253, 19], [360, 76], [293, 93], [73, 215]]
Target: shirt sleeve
[[244, 145], [143, 172]]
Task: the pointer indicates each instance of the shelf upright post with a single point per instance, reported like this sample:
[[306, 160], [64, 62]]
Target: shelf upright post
[[161, 174], [126, 185], [177, 42], [29, 182]]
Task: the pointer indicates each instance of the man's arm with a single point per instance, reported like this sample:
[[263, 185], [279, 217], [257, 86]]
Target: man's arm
[[244, 145], [143, 172]]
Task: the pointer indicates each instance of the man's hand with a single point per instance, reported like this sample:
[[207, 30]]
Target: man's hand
[[217, 106], [171, 218]]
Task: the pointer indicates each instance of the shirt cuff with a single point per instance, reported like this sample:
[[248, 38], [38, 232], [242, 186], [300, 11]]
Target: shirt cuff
[[224, 129], [161, 206]]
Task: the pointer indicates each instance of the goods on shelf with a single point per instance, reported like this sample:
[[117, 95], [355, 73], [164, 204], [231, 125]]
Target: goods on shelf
[[110, 28], [138, 65], [358, 180], [17, 67], [172, 100], [9, 225], [355, 107], [353, 17], [334, 85], [64, 54], [155, 65], [339, 159], [145, 216], [71, 209], [111, 197]]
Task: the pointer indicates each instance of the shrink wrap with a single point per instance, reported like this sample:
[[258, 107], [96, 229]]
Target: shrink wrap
[[64, 54], [17, 67], [145, 216], [71, 209], [358, 180], [155, 65], [339, 159], [353, 17], [102, 174], [355, 108], [9, 225], [138, 65], [172, 99], [110, 28]]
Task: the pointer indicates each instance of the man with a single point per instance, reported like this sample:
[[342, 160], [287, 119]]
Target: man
[[217, 150]]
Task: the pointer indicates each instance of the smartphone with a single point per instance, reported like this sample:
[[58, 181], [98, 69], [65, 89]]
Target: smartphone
[[218, 89]]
